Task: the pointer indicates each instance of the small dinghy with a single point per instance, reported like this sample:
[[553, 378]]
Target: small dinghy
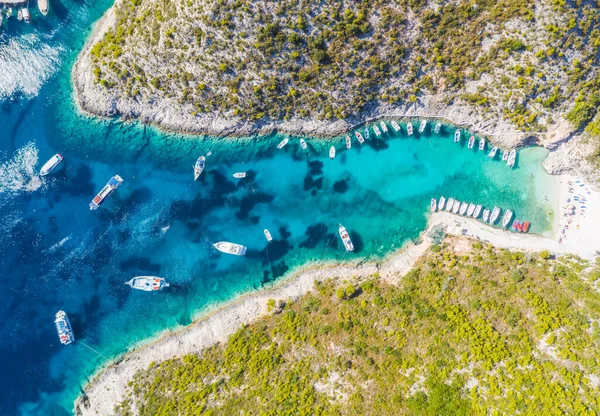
[[268, 235], [331, 152], [463, 208], [477, 211], [493, 152], [505, 156], [383, 126], [422, 126], [486, 215], [395, 126], [359, 137], [481, 143], [442, 203], [348, 143], [283, 143], [433, 205], [457, 136], [471, 142], [302, 144], [437, 128], [470, 210], [449, 204], [409, 128], [239, 175], [376, 130]]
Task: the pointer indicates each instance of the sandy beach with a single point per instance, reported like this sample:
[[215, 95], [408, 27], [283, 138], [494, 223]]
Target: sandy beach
[[108, 387]]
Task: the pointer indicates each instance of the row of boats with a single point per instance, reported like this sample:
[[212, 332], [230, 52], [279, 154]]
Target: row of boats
[[471, 210], [23, 13]]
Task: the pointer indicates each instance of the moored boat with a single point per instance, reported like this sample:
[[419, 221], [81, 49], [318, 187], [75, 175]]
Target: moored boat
[[43, 6], [463, 208], [456, 206], [470, 210], [471, 142], [449, 204], [283, 143], [481, 143], [457, 136], [63, 328], [105, 192], [383, 126], [517, 226], [433, 205], [239, 175], [199, 167], [395, 125], [331, 152], [507, 217], [442, 203], [303, 144], [438, 127], [359, 137], [494, 216], [346, 238], [376, 130], [9, 12], [26, 15], [486, 215], [505, 156], [268, 235], [20, 15], [348, 142], [409, 128], [51, 164], [422, 126], [147, 283], [512, 157], [493, 152], [367, 134], [230, 248], [526, 226], [477, 211]]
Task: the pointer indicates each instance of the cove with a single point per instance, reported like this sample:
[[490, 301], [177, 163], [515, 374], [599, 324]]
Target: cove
[[56, 254]]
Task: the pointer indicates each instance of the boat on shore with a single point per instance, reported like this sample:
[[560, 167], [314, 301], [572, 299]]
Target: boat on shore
[[470, 210], [433, 205], [268, 235], [376, 130], [471, 142], [303, 144], [517, 226], [63, 328], [26, 15], [456, 206], [493, 152], [422, 126], [494, 216], [449, 204], [383, 126], [526, 226], [505, 156], [395, 126], [105, 192], [512, 157], [346, 238], [239, 175], [486, 215], [51, 164], [438, 128], [348, 143], [477, 211], [463, 208], [442, 203], [481, 143], [332, 152], [43, 6], [359, 137], [199, 167], [507, 217], [409, 128], [283, 143], [230, 248], [457, 136], [147, 283]]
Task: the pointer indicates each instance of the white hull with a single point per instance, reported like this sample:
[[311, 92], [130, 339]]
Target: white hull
[[199, 167], [422, 126], [51, 164], [383, 127], [283, 143], [493, 152], [449, 204], [433, 205], [486, 215], [471, 142], [438, 127], [268, 235], [481, 144], [359, 137], [456, 206], [230, 248], [470, 210], [346, 238], [43, 6], [239, 175], [463, 208], [442, 204], [376, 130], [477, 211], [395, 126], [409, 128], [303, 144], [506, 219], [457, 136], [331, 152], [494, 216], [147, 283], [348, 143]]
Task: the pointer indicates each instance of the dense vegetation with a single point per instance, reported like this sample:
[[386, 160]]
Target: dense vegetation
[[490, 332]]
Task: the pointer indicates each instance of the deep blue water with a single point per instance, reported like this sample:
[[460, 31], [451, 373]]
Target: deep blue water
[[56, 254]]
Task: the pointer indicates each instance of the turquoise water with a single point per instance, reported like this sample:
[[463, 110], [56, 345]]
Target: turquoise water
[[56, 254]]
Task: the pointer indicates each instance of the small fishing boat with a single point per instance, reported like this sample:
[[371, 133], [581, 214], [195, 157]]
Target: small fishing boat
[[303, 144], [147, 283], [348, 143], [477, 211], [481, 143], [409, 128], [376, 130], [433, 205], [512, 157], [456, 206], [449, 204], [470, 210], [494, 216], [268, 235], [367, 134], [395, 125], [26, 16], [51, 164], [471, 142], [331, 152], [105, 192], [359, 137], [383, 126], [486, 215], [517, 226], [346, 238], [43, 6], [507, 217], [442, 203], [239, 175], [63, 328], [493, 152], [505, 156], [457, 136], [526, 226], [463, 208], [9, 13], [230, 248], [20, 15], [422, 126], [437, 128], [283, 143], [199, 167]]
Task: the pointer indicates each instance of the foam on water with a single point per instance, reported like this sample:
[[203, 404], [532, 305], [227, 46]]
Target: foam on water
[[18, 174]]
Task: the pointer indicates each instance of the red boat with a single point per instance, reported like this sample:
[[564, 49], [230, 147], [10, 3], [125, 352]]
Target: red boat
[[526, 226], [518, 226]]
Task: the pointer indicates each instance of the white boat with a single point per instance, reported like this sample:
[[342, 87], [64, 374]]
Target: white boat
[[359, 137], [239, 175], [481, 143], [112, 184], [303, 144], [395, 125], [463, 208], [507, 217], [456, 206], [199, 167], [470, 210], [268, 235], [409, 128], [367, 134], [348, 142], [477, 211], [512, 157], [20, 15], [442, 203], [471, 142], [493, 152], [230, 248], [433, 205], [283, 143], [383, 126], [437, 128], [494, 216], [63, 328], [457, 136], [486, 215], [505, 156], [376, 130], [9, 13], [422, 126], [346, 238], [449, 204], [1, 18], [43, 6], [147, 283], [26, 16], [51, 164], [331, 152]]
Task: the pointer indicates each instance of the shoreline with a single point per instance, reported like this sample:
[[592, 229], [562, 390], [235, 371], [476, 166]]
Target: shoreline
[[217, 322]]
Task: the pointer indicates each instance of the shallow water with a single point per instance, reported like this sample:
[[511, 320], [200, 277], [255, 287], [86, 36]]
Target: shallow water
[[56, 254]]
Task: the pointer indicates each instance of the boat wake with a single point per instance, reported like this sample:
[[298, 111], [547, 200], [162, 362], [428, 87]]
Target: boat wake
[[18, 175]]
